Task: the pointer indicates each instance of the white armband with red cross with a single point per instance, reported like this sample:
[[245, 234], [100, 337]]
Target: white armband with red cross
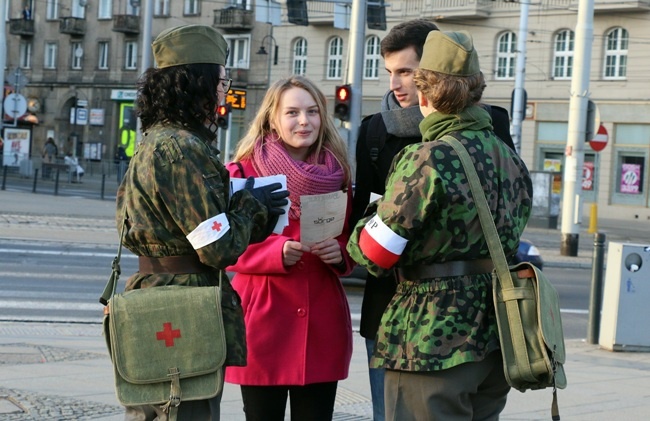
[[380, 244], [209, 231]]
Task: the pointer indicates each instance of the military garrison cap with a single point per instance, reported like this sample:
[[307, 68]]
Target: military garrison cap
[[189, 44], [450, 53]]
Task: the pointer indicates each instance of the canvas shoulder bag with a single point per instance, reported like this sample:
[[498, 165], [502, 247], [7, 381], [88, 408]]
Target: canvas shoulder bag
[[526, 305], [166, 343]]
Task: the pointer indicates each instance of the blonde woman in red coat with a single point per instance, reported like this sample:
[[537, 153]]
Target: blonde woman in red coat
[[298, 328]]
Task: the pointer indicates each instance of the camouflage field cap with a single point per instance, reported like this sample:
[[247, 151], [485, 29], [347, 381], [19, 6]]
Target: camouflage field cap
[[189, 44], [450, 53]]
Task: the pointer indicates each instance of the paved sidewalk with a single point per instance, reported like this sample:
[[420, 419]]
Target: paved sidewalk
[[62, 371]]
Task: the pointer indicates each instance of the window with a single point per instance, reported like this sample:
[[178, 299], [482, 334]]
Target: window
[[161, 8], [616, 54], [102, 63], [132, 10], [25, 55], [300, 57], [52, 9], [563, 55], [335, 58], [131, 55], [49, 61], [192, 7], [507, 47], [78, 11], [371, 61], [241, 4], [104, 9], [239, 50], [77, 53]]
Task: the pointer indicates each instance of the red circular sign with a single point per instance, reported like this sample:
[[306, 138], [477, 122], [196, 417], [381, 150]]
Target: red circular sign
[[599, 141]]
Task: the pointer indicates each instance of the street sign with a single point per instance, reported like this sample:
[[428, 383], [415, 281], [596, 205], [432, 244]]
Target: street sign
[[15, 105], [599, 141]]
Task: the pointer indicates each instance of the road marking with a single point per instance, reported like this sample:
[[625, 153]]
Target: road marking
[[66, 253]]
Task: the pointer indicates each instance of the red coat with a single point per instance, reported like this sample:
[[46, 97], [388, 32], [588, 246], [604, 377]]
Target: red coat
[[298, 328]]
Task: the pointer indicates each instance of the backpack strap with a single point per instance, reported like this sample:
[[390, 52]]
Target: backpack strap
[[376, 137]]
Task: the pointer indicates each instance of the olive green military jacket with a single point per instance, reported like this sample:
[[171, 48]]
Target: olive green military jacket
[[438, 323], [174, 182]]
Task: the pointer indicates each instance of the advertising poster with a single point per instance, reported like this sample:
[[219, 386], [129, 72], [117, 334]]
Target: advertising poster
[[630, 178], [16, 146], [588, 176]]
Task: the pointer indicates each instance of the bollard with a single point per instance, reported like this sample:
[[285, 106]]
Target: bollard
[[596, 297], [4, 176], [35, 178], [56, 183], [103, 185], [593, 219]]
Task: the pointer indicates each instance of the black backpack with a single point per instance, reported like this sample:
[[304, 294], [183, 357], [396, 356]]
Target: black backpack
[[376, 137]]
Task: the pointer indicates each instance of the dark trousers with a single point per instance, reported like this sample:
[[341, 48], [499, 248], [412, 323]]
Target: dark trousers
[[312, 402]]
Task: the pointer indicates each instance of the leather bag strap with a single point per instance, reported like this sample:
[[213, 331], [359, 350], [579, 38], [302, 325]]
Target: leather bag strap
[[111, 285], [498, 256]]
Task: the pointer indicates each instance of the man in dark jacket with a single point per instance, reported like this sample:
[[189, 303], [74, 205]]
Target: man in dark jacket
[[381, 137]]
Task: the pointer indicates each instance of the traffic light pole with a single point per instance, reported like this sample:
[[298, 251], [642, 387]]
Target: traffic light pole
[[354, 75], [574, 154]]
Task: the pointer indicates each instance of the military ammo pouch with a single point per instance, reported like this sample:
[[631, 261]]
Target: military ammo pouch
[[526, 306], [451, 268], [167, 343]]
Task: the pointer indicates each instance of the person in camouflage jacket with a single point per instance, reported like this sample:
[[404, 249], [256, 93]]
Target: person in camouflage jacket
[[175, 186], [438, 337]]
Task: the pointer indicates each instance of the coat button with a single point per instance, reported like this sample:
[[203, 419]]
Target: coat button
[[234, 301], [301, 312]]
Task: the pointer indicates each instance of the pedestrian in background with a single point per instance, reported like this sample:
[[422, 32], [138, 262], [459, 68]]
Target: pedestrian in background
[[438, 337], [50, 150], [298, 327], [175, 189], [381, 137]]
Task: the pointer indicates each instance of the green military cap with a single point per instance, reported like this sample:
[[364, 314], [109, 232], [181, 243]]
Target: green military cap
[[189, 44], [450, 53]]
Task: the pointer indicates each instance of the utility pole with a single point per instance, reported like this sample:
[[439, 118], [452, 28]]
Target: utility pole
[[519, 93], [355, 70], [3, 55], [574, 153], [146, 55]]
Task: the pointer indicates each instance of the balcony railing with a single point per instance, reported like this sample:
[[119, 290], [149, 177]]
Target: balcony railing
[[234, 19], [127, 24], [72, 26], [22, 27], [607, 6]]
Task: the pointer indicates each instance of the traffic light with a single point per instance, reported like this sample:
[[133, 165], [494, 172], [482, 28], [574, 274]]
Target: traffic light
[[223, 112], [342, 99]]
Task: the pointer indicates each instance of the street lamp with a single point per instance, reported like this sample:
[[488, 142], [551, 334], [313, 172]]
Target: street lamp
[[262, 50]]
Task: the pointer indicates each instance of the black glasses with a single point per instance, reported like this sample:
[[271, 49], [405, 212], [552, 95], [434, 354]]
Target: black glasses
[[225, 84]]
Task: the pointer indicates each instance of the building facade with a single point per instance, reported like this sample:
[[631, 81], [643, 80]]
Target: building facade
[[100, 63]]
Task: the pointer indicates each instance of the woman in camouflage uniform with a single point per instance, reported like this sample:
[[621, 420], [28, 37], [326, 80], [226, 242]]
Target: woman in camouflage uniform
[[438, 337], [176, 190]]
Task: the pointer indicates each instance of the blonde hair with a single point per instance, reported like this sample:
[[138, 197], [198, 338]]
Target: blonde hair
[[328, 136], [449, 94]]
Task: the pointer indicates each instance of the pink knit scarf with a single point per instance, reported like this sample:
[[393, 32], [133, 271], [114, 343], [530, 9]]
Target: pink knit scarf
[[313, 176]]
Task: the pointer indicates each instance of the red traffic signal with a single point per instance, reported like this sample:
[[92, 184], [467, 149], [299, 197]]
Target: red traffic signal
[[342, 98], [223, 112]]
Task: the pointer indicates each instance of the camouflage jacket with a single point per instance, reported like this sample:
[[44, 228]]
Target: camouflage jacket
[[438, 323], [174, 182]]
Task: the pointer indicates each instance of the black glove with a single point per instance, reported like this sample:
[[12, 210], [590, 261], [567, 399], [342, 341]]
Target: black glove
[[270, 196]]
